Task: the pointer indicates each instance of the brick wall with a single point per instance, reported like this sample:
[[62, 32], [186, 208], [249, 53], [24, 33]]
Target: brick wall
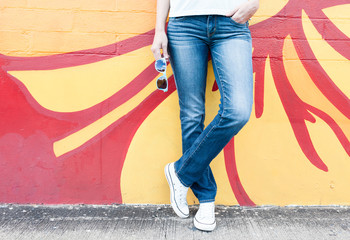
[[38, 27], [83, 122]]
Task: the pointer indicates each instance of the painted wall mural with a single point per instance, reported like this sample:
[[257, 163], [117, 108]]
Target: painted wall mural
[[89, 126]]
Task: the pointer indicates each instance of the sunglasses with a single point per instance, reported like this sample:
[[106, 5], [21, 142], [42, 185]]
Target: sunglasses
[[162, 81]]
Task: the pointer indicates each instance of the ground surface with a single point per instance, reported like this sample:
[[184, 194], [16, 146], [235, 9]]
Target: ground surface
[[159, 222]]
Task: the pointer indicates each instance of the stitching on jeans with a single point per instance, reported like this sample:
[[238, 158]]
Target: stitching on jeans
[[212, 181], [205, 201], [214, 30]]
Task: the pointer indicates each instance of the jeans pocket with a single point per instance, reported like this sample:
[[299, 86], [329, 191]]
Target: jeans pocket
[[239, 24]]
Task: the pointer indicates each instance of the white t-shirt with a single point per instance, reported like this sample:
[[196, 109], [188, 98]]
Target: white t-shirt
[[180, 8]]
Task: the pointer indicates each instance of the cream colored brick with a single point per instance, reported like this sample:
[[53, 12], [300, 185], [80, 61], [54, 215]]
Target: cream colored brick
[[62, 42], [122, 48], [55, 4], [13, 3], [35, 19], [14, 41], [137, 5], [338, 11], [108, 5], [122, 37], [119, 22]]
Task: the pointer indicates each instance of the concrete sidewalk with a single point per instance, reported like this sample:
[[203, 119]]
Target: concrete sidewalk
[[159, 222]]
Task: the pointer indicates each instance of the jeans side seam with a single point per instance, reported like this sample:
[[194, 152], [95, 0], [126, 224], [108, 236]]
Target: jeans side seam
[[212, 182]]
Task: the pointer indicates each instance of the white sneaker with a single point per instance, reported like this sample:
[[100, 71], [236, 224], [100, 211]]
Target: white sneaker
[[205, 217], [178, 192]]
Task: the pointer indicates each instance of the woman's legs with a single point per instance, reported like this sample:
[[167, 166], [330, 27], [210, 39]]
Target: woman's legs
[[231, 51], [230, 46], [189, 60]]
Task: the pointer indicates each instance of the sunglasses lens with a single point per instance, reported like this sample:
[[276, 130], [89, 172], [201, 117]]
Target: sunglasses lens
[[162, 83], [160, 65]]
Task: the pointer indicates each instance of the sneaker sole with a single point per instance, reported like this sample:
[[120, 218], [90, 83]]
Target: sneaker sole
[[172, 198], [204, 226]]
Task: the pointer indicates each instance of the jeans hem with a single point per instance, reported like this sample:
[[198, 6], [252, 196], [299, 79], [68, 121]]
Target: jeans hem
[[206, 201]]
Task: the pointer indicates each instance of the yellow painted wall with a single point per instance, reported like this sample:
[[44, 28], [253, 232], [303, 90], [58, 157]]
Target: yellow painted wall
[[272, 167]]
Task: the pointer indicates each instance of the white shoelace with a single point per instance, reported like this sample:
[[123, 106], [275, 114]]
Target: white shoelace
[[182, 194]]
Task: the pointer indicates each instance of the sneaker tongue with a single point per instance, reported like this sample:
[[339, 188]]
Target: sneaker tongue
[[207, 209]]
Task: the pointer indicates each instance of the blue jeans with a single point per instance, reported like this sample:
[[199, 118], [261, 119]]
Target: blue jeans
[[190, 39]]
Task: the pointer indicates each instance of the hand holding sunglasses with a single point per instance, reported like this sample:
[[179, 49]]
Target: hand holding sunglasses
[[162, 81]]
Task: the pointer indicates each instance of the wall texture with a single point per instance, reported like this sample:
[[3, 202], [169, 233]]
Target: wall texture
[[82, 121]]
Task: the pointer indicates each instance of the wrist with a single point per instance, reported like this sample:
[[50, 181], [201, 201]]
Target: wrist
[[160, 30]]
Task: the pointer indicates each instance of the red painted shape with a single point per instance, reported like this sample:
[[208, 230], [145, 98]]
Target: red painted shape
[[288, 22], [297, 114], [28, 171], [215, 87], [76, 58], [268, 37], [89, 174], [334, 126], [232, 173], [103, 156], [259, 69]]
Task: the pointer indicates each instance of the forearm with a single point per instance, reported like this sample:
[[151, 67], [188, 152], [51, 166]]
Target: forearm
[[160, 41], [163, 7], [255, 5]]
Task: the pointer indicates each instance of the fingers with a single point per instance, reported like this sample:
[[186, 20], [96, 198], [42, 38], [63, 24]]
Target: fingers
[[156, 52], [160, 47], [165, 50]]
